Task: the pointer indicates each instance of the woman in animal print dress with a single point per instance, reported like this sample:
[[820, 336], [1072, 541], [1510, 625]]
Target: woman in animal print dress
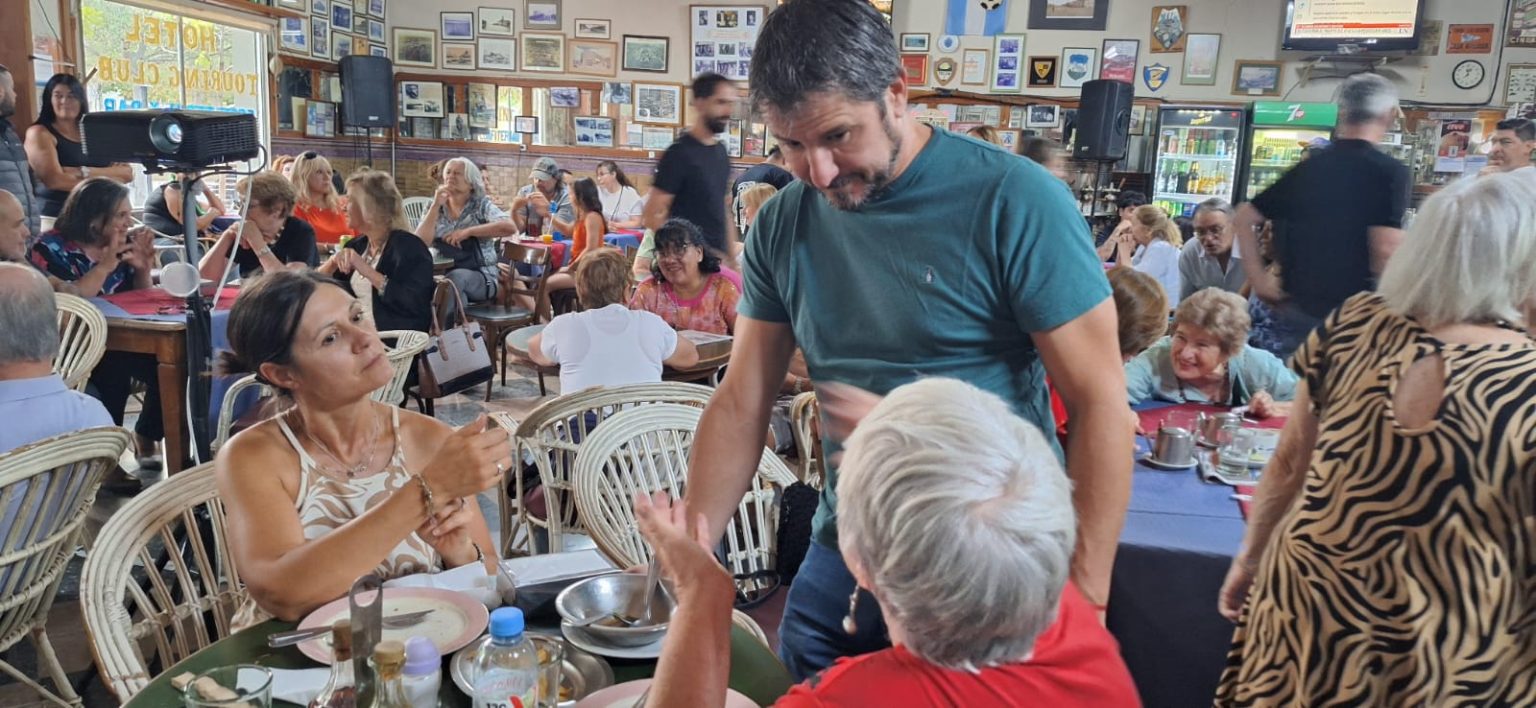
[[1391, 550]]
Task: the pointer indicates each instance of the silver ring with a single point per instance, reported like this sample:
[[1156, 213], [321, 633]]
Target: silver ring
[[499, 469]]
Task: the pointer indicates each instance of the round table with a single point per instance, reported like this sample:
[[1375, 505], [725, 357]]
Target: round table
[[517, 344], [441, 265], [755, 671]]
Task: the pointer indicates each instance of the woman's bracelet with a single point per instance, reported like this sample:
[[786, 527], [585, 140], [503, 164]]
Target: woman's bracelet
[[426, 494]]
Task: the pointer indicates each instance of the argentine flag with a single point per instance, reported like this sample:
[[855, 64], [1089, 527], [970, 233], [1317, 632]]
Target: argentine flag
[[973, 17]]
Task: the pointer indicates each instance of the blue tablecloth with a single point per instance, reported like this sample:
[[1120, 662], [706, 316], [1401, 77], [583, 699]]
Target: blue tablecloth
[[622, 241], [1179, 538], [219, 324]]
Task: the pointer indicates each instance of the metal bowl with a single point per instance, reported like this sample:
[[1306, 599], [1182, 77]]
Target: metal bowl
[[615, 592], [582, 675]]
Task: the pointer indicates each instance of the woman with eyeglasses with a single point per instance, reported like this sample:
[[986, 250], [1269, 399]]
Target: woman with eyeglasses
[[622, 204], [464, 224], [270, 239], [686, 288], [319, 204], [54, 148]]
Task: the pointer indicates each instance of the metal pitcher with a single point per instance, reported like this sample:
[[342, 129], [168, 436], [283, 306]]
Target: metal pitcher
[[1210, 425]]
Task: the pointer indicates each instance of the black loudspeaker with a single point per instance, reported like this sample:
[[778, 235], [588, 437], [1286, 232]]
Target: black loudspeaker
[[367, 92], [1103, 120]]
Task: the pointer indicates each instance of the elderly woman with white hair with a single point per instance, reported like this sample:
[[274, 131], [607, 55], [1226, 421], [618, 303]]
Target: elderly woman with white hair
[[1390, 550], [955, 517], [463, 224]]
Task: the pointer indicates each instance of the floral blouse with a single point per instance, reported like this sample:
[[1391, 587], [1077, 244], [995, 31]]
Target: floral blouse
[[712, 310], [66, 260]]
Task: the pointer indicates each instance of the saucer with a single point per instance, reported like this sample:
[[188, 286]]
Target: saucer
[[586, 640], [1147, 459]]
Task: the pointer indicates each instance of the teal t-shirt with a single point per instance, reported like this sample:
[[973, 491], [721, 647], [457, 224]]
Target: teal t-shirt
[[943, 273]]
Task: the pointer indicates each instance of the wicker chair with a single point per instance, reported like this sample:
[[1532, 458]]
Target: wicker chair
[[552, 434], [227, 407], [82, 340], [646, 450], [802, 419], [498, 318], [46, 491], [402, 357], [416, 210], [167, 617]]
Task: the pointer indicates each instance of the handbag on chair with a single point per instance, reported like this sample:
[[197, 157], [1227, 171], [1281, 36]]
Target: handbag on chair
[[455, 359]]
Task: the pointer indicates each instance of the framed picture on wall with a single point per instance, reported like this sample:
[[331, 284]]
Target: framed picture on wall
[[341, 16], [1119, 60], [321, 8], [594, 29], [319, 119], [1078, 66], [1169, 25], [320, 38], [415, 47], [1043, 115], [1200, 54], [1256, 78], [617, 93], [297, 5], [656, 138], [914, 42], [659, 103], [375, 30], [421, 99], [497, 22], [295, 35], [914, 68], [725, 35], [1042, 72], [594, 131], [1138, 119], [359, 24], [543, 51], [594, 58], [643, 53], [973, 67], [378, 50], [527, 125], [376, 8], [496, 54], [1007, 63], [459, 56], [341, 45], [542, 14], [457, 26], [1073, 15]]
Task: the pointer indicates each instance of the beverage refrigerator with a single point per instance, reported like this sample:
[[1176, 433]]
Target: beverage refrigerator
[[1279, 131], [1198, 152]]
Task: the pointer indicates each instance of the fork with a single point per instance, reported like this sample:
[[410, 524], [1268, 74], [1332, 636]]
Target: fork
[[296, 636]]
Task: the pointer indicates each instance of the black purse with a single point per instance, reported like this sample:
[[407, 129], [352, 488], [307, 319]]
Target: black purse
[[797, 506]]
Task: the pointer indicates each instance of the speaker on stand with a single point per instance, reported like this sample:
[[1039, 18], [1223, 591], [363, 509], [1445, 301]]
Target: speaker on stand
[[367, 95], [1103, 129]]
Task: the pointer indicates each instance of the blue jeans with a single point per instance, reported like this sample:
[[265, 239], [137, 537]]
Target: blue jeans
[[811, 635]]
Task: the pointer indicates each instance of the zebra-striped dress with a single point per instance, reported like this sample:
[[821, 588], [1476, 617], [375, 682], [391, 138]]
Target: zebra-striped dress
[[1405, 575]]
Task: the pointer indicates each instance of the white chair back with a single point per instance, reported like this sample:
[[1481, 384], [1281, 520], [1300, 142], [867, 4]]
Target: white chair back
[[416, 210], [402, 356], [169, 612], [552, 434], [227, 407], [646, 450], [82, 340], [46, 491], [802, 419]]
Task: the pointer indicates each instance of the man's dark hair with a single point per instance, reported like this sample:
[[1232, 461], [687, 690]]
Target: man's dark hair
[[1523, 127], [4, 69], [706, 84], [1130, 198], [813, 46]]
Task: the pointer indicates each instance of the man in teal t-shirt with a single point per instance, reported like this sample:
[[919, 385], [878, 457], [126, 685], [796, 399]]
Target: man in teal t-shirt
[[904, 252]]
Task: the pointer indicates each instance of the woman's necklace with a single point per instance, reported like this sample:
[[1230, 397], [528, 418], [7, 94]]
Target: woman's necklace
[[351, 471]]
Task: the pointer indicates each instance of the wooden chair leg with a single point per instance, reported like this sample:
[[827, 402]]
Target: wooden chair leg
[[542, 390]]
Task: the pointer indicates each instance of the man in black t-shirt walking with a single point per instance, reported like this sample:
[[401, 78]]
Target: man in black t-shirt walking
[[1338, 215], [693, 175]]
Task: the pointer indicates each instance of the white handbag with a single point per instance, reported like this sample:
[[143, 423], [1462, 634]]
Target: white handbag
[[455, 359]]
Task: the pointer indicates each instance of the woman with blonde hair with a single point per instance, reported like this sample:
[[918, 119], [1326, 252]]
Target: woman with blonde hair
[[385, 266], [1152, 246], [752, 199], [269, 239], [319, 204]]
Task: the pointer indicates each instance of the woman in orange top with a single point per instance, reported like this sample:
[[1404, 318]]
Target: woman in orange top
[[590, 229], [318, 202]]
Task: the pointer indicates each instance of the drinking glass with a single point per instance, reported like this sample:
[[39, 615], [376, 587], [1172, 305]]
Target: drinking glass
[[551, 652], [252, 685], [1182, 419], [1232, 457]]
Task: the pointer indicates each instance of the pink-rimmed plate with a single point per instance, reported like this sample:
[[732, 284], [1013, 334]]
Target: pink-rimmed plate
[[625, 694], [455, 621]]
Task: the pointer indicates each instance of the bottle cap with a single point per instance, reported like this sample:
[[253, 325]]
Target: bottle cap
[[341, 640], [506, 623], [388, 655], [421, 657]]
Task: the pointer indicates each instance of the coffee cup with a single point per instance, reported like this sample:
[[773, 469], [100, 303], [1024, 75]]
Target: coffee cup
[[1174, 447]]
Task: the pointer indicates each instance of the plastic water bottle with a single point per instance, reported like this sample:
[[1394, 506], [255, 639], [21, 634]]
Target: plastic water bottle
[[507, 667]]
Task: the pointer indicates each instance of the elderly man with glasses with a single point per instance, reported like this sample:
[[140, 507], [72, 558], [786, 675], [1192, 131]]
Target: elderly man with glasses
[[1210, 259]]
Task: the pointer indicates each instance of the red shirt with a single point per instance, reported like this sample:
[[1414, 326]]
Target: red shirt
[[1075, 663]]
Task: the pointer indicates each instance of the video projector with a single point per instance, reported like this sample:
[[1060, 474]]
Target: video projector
[[166, 141]]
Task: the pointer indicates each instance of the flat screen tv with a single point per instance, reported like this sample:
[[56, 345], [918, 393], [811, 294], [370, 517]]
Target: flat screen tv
[[1350, 26]]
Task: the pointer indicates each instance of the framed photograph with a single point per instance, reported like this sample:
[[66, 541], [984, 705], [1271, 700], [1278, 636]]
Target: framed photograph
[[497, 22], [1169, 25], [320, 38], [421, 99], [593, 29], [914, 42], [914, 68], [321, 8], [457, 26], [376, 8], [527, 125], [642, 53], [378, 50], [415, 47], [656, 138], [359, 24], [617, 93], [564, 97], [542, 14], [1007, 63], [1120, 56], [1469, 39], [1200, 54], [973, 67], [1078, 66], [659, 103], [459, 56], [543, 51], [732, 32], [341, 16], [295, 35], [496, 54], [594, 131], [295, 5], [733, 138], [456, 127], [1138, 119], [341, 45], [594, 58], [1043, 115], [1521, 30], [1008, 139], [1257, 78], [1042, 72], [482, 105], [1068, 14], [320, 119]]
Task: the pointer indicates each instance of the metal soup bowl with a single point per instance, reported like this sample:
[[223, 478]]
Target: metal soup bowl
[[615, 592]]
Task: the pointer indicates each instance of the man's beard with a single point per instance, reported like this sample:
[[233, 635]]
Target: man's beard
[[718, 125], [875, 181], [8, 109]]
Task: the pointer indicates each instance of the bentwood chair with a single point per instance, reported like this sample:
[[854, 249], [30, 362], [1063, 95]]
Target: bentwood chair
[[406, 345], [645, 450], [231, 402], [416, 210], [46, 491], [507, 313], [82, 340], [551, 436], [160, 583], [803, 413]]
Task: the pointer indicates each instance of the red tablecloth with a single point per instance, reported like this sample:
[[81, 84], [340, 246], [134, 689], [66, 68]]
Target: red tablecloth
[[1152, 417], [154, 301], [556, 250]]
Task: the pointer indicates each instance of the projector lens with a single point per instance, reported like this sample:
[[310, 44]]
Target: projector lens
[[165, 134], [173, 133]]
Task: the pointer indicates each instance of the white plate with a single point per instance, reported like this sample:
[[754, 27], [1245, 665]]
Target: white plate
[[625, 694], [456, 619], [585, 640], [1146, 459]]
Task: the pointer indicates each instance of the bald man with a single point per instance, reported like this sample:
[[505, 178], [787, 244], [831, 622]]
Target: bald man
[[33, 399], [14, 230]]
